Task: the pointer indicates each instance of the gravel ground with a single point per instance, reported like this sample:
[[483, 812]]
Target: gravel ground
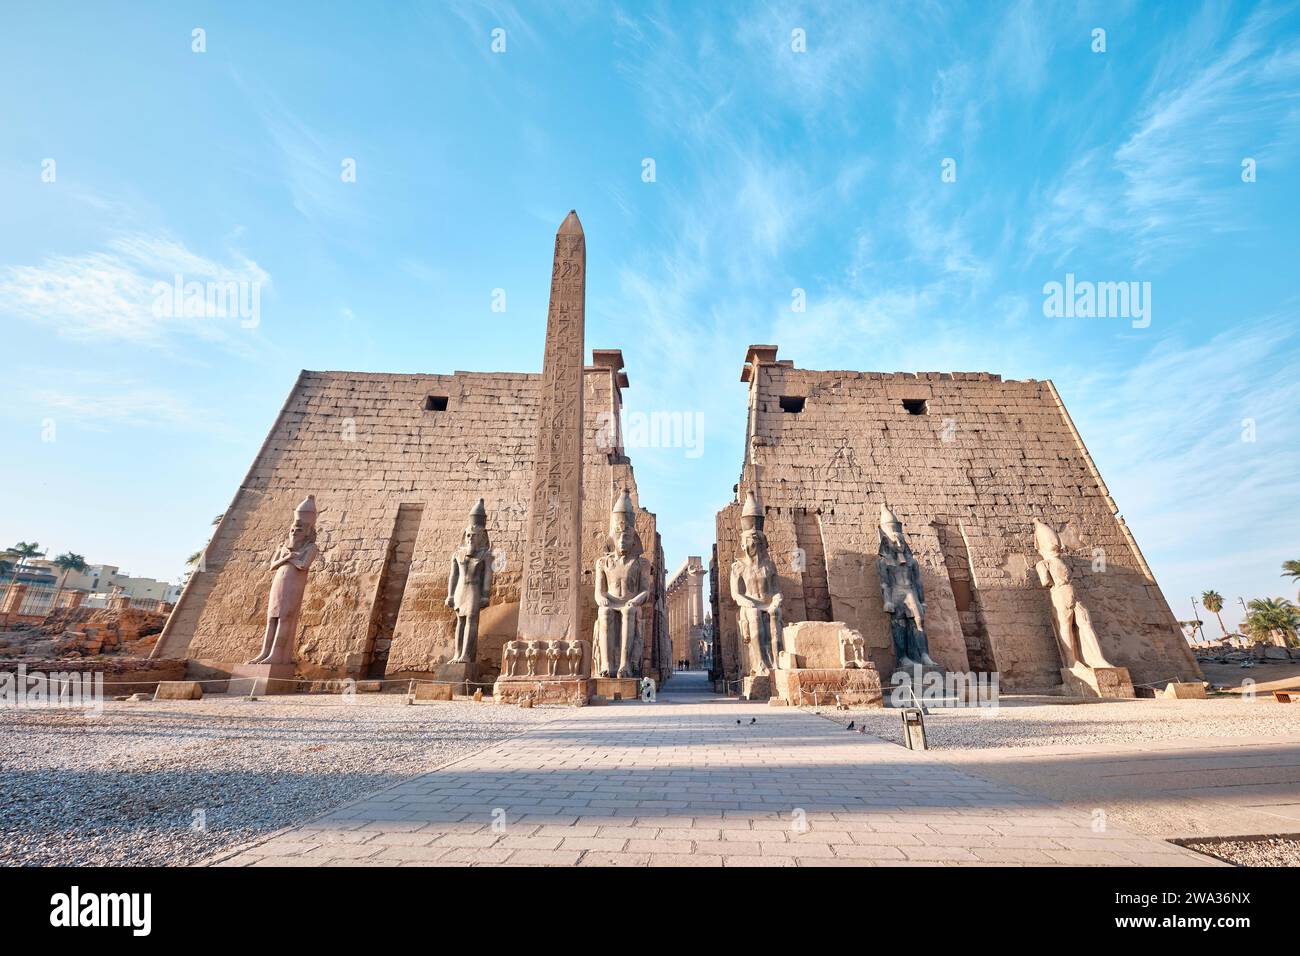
[[1271, 851], [1015, 724], [125, 787]]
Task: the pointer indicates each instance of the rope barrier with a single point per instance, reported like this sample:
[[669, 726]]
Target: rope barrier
[[47, 678]]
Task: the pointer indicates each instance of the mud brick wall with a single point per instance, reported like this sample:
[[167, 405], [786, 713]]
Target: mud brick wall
[[366, 445], [967, 474]]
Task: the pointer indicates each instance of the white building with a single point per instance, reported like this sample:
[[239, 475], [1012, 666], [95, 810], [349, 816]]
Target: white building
[[104, 580]]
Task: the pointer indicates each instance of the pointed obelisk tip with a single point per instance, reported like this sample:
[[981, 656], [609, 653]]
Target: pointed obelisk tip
[[571, 226]]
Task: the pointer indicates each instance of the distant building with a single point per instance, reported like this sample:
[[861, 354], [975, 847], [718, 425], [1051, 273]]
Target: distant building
[[687, 626], [99, 582]]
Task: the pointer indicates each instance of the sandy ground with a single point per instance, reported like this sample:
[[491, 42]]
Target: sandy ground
[[171, 782]]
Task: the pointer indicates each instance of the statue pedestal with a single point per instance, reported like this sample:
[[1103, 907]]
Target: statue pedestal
[[458, 675], [1084, 681], [261, 679], [756, 687], [617, 688], [572, 691]]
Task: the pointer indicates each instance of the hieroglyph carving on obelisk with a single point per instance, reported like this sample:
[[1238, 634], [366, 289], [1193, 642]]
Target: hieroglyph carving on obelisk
[[553, 554]]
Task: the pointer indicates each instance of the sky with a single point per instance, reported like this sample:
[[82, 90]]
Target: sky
[[388, 176]]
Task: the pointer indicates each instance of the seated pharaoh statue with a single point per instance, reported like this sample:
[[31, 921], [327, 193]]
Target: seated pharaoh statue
[[623, 583]]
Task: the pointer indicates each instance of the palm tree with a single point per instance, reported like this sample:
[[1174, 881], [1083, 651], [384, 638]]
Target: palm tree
[[1212, 601], [25, 550], [195, 561], [1269, 616], [1291, 569], [69, 562]]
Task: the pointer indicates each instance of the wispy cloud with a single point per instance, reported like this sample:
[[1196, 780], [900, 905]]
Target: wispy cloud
[[1176, 175], [103, 402], [112, 294], [311, 164], [1206, 475]]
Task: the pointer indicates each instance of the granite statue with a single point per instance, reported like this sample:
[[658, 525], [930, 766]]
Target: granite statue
[[904, 595], [623, 584], [290, 565], [1072, 623], [756, 591], [469, 584]]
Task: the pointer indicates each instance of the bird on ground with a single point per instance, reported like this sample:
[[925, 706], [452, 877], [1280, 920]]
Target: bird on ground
[[852, 724], [753, 720]]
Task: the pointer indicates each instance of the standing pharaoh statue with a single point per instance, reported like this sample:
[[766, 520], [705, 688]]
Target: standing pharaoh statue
[[900, 585], [469, 585], [622, 585], [1073, 625], [756, 591], [290, 565]]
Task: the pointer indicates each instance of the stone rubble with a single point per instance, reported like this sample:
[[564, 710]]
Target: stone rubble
[[1271, 851]]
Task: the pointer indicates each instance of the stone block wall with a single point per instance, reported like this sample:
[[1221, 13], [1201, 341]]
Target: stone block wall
[[396, 463], [967, 461]]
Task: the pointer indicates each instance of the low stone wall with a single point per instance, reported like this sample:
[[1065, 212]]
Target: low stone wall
[[828, 687], [121, 676]]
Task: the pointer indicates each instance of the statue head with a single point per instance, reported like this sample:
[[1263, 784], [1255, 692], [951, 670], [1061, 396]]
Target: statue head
[[623, 537], [754, 544], [891, 530], [1046, 540], [476, 538], [303, 529]]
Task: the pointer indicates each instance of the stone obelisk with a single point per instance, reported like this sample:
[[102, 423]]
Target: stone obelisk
[[552, 570]]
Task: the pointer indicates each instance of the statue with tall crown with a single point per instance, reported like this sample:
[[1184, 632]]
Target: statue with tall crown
[[469, 584], [623, 583], [756, 591], [290, 565], [1072, 623], [904, 596]]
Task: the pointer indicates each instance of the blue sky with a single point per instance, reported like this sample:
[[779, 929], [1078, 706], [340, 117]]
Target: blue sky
[[774, 170]]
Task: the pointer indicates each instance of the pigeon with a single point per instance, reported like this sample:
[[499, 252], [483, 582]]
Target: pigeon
[[852, 724], [862, 730], [753, 720]]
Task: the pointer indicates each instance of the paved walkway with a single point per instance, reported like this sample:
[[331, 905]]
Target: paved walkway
[[1189, 787], [697, 780]]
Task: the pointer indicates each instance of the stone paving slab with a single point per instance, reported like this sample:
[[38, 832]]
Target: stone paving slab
[[1184, 788], [696, 780]]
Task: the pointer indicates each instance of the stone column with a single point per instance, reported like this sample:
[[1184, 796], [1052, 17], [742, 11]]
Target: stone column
[[694, 611]]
